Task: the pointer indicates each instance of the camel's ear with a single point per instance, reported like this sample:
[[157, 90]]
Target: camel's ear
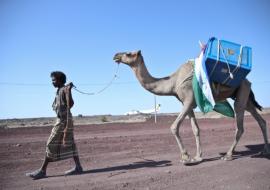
[[139, 52]]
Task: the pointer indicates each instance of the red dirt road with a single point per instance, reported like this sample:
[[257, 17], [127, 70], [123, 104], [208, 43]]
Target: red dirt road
[[139, 156]]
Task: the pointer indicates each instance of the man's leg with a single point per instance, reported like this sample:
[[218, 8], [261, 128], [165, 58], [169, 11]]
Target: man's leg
[[77, 161], [40, 173], [45, 164], [78, 167]]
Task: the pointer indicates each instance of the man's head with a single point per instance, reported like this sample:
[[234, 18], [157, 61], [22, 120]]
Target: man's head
[[58, 78]]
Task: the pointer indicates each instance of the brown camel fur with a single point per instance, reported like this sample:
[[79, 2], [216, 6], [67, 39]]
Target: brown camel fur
[[179, 85]]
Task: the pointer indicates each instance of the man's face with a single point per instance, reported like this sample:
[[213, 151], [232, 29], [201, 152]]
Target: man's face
[[56, 83]]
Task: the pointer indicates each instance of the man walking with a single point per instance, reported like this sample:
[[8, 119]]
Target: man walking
[[61, 144]]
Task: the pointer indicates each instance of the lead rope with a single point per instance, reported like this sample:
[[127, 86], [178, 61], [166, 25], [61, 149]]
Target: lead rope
[[101, 90]]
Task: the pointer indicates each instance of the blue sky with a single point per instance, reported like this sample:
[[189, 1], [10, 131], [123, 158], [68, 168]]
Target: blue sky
[[81, 37]]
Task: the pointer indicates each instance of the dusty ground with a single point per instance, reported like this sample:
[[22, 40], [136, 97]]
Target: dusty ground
[[138, 156]]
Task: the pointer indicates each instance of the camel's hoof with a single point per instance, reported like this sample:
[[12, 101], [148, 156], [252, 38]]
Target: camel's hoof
[[198, 159], [261, 154], [192, 162], [266, 150], [264, 153], [227, 158], [184, 161], [185, 158]]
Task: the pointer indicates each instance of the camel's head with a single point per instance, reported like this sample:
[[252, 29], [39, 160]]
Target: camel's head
[[128, 58]]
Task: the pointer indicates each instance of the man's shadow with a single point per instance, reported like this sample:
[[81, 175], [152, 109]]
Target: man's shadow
[[253, 151], [135, 165]]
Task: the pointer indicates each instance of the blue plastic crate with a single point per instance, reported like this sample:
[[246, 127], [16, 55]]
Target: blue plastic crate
[[224, 57]]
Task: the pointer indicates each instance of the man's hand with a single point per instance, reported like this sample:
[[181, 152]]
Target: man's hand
[[64, 142], [69, 86], [64, 137]]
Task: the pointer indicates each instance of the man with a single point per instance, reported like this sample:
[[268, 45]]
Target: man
[[61, 144]]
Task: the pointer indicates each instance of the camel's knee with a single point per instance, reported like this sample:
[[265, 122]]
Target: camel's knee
[[174, 130], [194, 125], [240, 131], [263, 124], [196, 131]]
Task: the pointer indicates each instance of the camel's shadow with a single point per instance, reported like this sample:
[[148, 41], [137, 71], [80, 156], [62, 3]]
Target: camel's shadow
[[253, 151], [124, 168]]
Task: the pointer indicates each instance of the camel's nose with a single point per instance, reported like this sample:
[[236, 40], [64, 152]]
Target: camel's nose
[[117, 57]]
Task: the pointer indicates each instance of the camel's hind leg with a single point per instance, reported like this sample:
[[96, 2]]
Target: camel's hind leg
[[239, 108], [262, 123], [196, 131]]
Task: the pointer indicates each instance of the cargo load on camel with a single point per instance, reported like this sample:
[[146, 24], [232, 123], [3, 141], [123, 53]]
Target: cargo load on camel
[[219, 63], [226, 62]]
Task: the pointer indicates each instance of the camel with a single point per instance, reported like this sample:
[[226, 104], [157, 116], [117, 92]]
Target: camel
[[179, 85]]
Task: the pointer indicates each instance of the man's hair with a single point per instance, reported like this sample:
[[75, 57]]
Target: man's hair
[[59, 76]]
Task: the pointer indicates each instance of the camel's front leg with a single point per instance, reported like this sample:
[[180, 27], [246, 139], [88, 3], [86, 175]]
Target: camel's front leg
[[196, 132], [175, 131]]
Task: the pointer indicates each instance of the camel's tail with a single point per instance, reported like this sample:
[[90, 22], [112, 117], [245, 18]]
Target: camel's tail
[[252, 98]]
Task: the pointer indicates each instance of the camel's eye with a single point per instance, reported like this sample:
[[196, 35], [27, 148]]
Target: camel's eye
[[128, 54]]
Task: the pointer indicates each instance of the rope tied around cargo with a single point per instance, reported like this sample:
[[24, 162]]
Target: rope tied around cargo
[[237, 66], [102, 89], [222, 51], [231, 74]]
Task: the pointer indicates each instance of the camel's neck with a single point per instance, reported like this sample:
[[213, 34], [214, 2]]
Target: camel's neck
[[160, 86]]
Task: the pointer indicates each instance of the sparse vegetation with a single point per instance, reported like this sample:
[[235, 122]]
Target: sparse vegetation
[[104, 119]]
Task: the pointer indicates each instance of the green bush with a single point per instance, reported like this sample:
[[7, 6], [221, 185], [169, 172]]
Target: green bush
[[104, 119]]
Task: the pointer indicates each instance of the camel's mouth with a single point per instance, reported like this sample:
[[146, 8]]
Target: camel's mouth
[[117, 58]]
